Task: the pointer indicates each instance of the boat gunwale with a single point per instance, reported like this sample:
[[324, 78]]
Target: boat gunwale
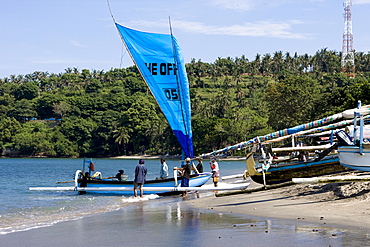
[[130, 182]]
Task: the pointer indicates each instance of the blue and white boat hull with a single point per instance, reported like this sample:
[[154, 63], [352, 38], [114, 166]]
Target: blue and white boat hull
[[354, 158], [126, 187]]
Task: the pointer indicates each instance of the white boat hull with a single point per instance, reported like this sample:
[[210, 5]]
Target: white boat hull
[[351, 157], [222, 186]]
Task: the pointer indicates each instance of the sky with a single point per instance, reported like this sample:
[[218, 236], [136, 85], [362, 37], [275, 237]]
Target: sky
[[53, 35]]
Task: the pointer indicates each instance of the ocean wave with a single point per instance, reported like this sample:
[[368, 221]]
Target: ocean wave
[[64, 210]]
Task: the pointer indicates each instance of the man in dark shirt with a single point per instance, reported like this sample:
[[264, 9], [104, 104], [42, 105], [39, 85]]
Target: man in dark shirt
[[119, 175], [200, 165], [140, 176], [186, 170]]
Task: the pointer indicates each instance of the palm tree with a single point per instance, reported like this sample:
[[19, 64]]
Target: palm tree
[[255, 67], [277, 62], [122, 136], [266, 65]]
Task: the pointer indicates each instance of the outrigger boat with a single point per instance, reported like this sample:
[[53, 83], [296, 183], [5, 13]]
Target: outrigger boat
[[158, 58], [97, 184], [266, 168], [285, 171], [354, 151]]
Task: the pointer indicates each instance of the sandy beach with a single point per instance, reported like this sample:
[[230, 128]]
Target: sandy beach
[[337, 204]]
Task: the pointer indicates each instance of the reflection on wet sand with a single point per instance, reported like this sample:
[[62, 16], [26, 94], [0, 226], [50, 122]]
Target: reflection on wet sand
[[171, 222]]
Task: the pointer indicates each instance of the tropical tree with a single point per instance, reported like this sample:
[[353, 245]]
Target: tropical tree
[[291, 101], [121, 136], [9, 127], [22, 110]]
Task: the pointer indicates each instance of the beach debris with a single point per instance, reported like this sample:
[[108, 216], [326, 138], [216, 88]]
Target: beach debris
[[328, 192]]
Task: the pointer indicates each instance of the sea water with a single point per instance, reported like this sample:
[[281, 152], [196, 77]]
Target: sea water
[[22, 209], [153, 221]]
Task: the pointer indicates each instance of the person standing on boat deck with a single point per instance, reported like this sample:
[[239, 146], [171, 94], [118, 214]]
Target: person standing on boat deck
[[215, 171], [140, 176], [121, 176], [85, 177], [186, 170], [164, 169], [200, 165]]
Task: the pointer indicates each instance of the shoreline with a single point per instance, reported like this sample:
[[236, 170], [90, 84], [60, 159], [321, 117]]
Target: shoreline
[[312, 203], [133, 157], [169, 157]]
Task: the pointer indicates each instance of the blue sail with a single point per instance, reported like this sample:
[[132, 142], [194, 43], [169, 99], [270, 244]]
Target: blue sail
[[159, 60]]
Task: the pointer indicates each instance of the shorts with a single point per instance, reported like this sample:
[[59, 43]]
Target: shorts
[[137, 184], [184, 182], [215, 174]]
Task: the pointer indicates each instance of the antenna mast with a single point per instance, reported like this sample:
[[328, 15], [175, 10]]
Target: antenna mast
[[348, 56]]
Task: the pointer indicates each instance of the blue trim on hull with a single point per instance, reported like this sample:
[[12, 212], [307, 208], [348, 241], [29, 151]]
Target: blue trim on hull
[[195, 181], [298, 164], [359, 168]]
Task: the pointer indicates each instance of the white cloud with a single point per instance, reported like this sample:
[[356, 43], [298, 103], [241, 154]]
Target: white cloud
[[247, 5], [361, 1], [267, 28], [76, 43], [69, 61], [241, 5], [257, 29]]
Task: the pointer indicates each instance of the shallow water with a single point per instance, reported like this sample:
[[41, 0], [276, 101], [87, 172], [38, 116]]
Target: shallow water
[[21, 209]]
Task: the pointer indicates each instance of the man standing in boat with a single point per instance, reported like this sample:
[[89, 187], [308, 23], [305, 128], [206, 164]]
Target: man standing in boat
[[140, 177], [121, 176], [200, 165], [164, 169], [185, 176]]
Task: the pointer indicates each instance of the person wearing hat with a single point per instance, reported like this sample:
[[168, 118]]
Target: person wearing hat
[[140, 177], [186, 170], [121, 176]]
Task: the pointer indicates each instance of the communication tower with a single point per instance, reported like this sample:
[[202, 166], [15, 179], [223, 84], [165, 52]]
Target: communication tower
[[348, 56]]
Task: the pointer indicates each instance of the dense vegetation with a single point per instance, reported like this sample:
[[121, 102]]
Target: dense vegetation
[[97, 113]]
